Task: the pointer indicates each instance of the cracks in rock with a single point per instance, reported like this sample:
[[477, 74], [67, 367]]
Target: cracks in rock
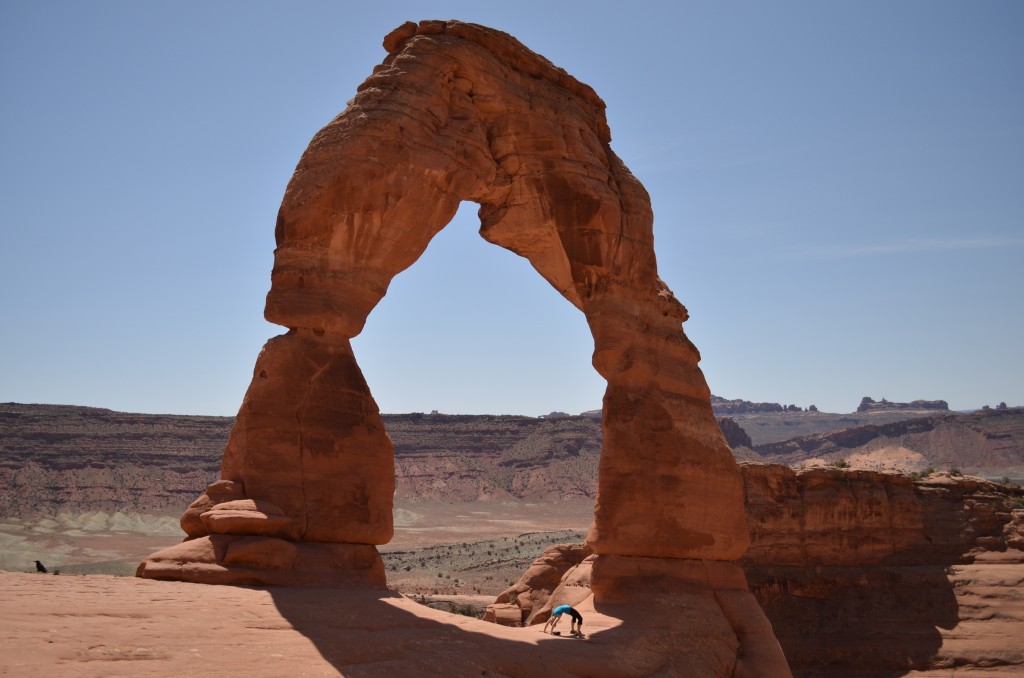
[[302, 452]]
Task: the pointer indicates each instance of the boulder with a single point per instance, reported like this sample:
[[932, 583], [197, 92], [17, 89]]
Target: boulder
[[216, 493], [249, 517], [504, 614]]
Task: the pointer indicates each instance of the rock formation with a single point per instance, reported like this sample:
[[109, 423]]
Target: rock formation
[[867, 404], [868, 573], [523, 602], [861, 573], [460, 112]]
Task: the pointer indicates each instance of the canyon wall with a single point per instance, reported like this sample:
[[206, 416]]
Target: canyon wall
[[868, 573]]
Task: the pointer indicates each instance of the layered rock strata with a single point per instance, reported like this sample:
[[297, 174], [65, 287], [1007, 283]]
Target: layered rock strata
[[460, 112], [869, 573]]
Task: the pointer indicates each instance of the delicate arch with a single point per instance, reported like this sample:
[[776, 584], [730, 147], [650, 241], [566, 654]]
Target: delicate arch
[[460, 112]]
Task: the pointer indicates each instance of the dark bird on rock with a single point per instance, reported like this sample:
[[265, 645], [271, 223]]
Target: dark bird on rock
[[40, 567]]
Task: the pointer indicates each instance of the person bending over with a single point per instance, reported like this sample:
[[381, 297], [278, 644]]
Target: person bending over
[[575, 628]]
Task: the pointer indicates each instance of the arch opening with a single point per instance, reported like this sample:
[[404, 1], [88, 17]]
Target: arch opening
[[470, 328]]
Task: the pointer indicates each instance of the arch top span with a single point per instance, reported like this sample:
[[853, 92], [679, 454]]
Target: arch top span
[[458, 112]]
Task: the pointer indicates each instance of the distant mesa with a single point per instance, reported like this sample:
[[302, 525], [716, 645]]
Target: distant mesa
[[722, 406], [869, 405]]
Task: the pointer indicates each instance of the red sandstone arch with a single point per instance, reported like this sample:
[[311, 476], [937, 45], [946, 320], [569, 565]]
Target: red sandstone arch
[[459, 112]]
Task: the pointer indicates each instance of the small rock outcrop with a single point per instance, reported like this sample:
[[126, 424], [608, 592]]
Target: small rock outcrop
[[521, 603], [734, 433]]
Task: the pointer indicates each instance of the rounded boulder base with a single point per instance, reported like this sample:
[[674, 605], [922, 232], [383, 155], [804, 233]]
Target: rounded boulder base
[[266, 561]]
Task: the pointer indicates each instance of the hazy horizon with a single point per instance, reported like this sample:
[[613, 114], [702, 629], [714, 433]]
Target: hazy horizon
[[482, 414]]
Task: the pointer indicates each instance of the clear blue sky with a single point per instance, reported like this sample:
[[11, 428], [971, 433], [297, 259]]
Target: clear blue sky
[[838, 192]]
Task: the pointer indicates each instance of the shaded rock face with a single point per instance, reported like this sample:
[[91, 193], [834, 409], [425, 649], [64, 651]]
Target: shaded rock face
[[868, 573], [460, 112]]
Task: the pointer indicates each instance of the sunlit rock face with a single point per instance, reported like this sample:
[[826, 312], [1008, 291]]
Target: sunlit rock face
[[460, 112]]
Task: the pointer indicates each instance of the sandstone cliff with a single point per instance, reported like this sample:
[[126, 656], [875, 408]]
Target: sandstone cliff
[[866, 573]]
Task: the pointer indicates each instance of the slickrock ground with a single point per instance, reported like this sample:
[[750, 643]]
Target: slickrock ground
[[115, 626]]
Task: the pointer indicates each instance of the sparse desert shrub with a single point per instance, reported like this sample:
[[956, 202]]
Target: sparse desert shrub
[[955, 472], [840, 463]]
